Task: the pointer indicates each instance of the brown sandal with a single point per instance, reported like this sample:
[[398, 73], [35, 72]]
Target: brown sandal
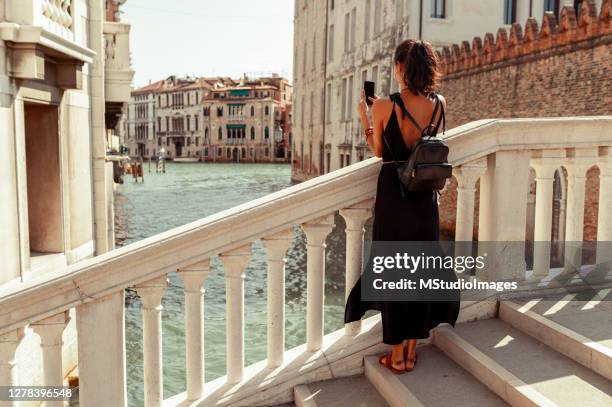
[[387, 361]]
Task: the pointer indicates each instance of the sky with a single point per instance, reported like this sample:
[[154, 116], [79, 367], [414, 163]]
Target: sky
[[209, 37]]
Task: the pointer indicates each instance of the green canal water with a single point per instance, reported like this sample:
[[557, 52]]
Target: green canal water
[[187, 192]]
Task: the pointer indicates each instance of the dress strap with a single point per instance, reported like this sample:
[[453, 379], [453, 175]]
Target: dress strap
[[405, 112]]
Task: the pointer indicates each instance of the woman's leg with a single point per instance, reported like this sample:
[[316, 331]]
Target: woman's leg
[[410, 352]]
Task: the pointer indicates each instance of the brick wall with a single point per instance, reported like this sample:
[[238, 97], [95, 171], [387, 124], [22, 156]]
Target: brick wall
[[559, 69]]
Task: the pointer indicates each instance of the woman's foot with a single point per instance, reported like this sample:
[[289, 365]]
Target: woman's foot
[[410, 355], [394, 360]]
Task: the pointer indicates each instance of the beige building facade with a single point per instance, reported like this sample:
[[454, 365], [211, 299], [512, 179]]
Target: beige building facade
[[211, 119], [248, 122], [340, 44], [64, 77]]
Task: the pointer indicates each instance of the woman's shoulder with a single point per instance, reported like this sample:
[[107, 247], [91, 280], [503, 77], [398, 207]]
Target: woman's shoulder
[[382, 105]]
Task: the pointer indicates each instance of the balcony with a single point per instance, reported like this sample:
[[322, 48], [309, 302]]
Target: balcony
[[499, 153], [37, 30], [118, 72]]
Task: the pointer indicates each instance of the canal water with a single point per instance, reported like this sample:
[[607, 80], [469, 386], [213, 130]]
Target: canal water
[[190, 191]]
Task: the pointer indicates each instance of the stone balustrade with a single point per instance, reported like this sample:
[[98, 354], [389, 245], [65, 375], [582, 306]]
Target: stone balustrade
[[55, 16], [118, 71], [497, 153]]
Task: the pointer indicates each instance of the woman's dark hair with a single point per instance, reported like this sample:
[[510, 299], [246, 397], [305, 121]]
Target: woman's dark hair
[[420, 62]]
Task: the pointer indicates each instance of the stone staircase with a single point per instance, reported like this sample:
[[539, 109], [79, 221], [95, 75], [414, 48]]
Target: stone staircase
[[537, 352]]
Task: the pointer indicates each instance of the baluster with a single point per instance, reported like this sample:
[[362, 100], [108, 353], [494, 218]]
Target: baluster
[[56, 15], [151, 293], [234, 265], [577, 167], [604, 217], [9, 342], [466, 176], [355, 218], [101, 350], [276, 247], [545, 166], [316, 232], [50, 331], [193, 277]]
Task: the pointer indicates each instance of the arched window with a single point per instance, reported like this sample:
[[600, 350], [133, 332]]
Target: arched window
[[253, 133], [220, 133], [244, 153], [206, 133], [267, 132], [267, 110], [252, 110]]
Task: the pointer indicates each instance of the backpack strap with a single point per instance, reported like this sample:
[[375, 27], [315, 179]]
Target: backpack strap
[[442, 119], [432, 129]]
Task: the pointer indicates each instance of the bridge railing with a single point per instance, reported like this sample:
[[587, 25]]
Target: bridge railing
[[499, 153]]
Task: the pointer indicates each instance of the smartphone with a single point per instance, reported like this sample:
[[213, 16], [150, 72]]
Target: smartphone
[[368, 87]]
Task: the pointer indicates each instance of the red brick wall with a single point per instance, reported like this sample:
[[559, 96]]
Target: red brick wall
[[560, 69]]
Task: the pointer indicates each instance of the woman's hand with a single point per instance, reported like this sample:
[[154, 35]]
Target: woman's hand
[[363, 108]]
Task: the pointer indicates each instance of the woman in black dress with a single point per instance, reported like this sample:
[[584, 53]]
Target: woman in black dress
[[412, 217]]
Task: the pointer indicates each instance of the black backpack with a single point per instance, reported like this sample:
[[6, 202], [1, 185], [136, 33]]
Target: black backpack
[[427, 168]]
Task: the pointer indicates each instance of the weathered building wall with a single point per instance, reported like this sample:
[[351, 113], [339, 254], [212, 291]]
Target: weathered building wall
[[556, 70]]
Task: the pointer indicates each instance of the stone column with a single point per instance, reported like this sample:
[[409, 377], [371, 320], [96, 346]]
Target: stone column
[[577, 167], [193, 277], [316, 232], [545, 166], [8, 363], [234, 265], [276, 247], [604, 218], [50, 331], [467, 175], [101, 350], [504, 189], [355, 217], [151, 293]]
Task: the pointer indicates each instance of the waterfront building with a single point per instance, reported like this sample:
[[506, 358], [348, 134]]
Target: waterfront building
[[340, 44], [248, 122], [64, 79], [214, 119]]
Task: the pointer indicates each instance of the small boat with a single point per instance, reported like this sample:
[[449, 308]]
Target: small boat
[[186, 159]]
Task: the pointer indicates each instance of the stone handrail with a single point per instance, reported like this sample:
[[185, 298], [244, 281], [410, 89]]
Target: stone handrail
[[499, 153]]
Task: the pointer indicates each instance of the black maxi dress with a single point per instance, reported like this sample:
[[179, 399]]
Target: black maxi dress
[[413, 217]]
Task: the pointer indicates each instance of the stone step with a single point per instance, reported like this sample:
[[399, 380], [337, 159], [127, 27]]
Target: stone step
[[353, 391], [435, 381], [582, 332], [520, 369]]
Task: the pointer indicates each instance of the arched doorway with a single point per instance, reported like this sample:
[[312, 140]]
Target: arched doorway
[[235, 155], [178, 148]]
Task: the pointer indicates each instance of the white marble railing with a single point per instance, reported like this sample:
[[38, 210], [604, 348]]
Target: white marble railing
[[499, 153], [55, 16]]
